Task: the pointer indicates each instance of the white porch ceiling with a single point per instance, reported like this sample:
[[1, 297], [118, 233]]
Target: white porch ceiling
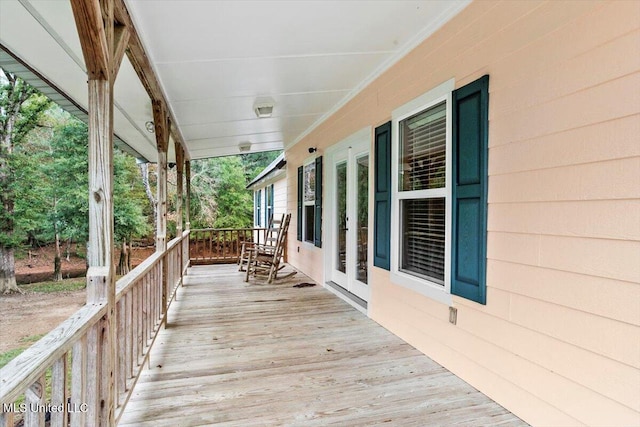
[[215, 58]]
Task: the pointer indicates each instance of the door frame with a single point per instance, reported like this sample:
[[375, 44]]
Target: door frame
[[336, 153]]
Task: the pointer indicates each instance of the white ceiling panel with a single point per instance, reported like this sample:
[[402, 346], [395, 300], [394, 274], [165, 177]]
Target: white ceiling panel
[[211, 110], [260, 138], [244, 129], [264, 76], [202, 30], [214, 59]]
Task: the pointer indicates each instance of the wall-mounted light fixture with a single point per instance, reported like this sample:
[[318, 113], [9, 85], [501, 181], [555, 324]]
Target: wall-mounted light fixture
[[312, 150], [263, 107], [151, 128]]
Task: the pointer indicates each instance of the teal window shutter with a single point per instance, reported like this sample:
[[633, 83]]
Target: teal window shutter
[[469, 171], [317, 233], [300, 190], [271, 191], [382, 197]]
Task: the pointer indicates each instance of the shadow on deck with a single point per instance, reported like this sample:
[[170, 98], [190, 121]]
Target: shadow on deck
[[253, 354]]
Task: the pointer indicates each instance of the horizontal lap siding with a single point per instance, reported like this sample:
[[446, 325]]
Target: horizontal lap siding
[[559, 339], [280, 196]]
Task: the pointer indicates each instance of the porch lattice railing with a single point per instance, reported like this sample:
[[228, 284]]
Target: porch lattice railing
[[65, 370]]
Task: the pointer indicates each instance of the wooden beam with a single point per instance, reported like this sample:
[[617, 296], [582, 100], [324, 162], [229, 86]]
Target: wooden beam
[[161, 122], [90, 25], [121, 41]]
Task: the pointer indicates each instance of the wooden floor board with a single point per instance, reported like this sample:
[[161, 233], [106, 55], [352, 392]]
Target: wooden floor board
[[245, 354]]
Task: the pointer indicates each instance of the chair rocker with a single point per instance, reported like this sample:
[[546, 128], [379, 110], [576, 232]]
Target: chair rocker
[[270, 238], [265, 260]]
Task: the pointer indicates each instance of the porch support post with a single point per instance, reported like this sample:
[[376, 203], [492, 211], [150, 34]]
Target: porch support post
[[187, 216], [179, 187], [162, 141], [103, 42], [179, 195], [187, 208]]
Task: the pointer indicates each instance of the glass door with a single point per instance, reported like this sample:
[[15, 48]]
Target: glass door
[[350, 219]]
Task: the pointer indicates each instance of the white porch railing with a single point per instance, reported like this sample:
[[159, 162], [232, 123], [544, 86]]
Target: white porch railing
[[63, 373]]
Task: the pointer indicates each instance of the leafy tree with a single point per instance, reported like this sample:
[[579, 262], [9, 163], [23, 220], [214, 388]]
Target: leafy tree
[[130, 220], [234, 200], [67, 188], [254, 163], [219, 197], [21, 108], [69, 172]]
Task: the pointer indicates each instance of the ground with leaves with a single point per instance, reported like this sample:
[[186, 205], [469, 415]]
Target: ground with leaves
[[27, 317], [31, 315]]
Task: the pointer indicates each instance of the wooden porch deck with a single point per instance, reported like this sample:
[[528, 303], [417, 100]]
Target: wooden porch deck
[[252, 354]]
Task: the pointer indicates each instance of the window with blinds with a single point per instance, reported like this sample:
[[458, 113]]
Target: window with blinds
[[422, 169], [423, 237], [423, 162]]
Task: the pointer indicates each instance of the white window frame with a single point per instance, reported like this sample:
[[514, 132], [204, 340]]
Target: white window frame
[[306, 203], [438, 292], [257, 196], [268, 213]]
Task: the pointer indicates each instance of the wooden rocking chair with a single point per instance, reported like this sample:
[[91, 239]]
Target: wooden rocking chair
[[270, 237], [264, 260]]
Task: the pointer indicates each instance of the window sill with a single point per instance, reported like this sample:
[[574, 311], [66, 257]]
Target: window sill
[[423, 287]]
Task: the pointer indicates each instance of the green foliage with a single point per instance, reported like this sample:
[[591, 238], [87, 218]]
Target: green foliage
[[68, 188], [220, 198], [21, 111], [50, 171], [8, 356], [254, 163], [65, 285], [30, 203], [129, 199], [32, 338]]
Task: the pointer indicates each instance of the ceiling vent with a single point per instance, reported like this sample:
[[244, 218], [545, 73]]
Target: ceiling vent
[[263, 108]]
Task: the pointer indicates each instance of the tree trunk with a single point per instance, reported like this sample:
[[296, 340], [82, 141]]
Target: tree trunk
[[68, 249], [7, 272], [124, 264], [144, 171], [57, 264]]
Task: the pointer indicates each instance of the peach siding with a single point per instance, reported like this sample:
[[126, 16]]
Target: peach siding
[[558, 342]]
